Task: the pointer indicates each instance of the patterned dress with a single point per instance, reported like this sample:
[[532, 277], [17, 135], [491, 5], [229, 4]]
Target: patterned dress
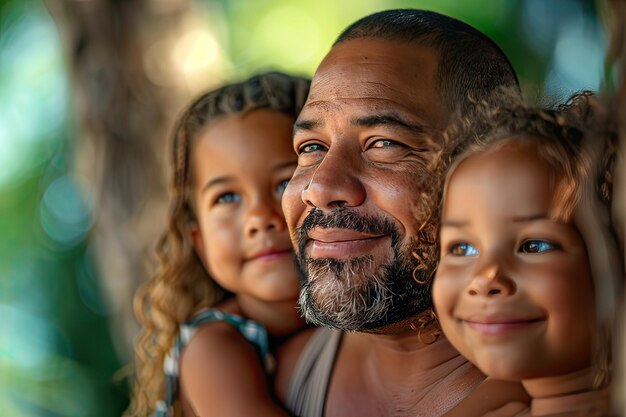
[[252, 331]]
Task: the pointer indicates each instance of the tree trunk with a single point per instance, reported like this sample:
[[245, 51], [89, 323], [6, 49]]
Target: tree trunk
[[126, 93]]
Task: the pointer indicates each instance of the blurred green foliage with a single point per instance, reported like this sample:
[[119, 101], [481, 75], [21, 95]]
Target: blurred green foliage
[[56, 351]]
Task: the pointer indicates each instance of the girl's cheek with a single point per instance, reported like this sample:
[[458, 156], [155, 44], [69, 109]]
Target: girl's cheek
[[447, 288]]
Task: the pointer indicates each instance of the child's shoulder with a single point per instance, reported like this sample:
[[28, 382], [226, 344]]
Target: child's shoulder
[[218, 331], [218, 368], [219, 340]]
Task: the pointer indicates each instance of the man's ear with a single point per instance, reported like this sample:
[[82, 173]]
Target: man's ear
[[197, 241]]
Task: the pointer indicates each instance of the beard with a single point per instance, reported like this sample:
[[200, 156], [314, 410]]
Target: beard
[[355, 294]]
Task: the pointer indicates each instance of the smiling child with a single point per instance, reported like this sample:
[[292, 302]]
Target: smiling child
[[514, 290], [226, 288]]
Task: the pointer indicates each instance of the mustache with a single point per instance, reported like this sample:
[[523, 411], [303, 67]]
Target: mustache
[[345, 218]]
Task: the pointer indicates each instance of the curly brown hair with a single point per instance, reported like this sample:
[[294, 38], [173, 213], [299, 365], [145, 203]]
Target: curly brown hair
[[557, 135], [181, 285], [562, 137]]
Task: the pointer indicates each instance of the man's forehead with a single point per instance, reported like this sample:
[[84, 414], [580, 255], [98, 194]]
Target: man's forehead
[[369, 67], [376, 49], [371, 54], [374, 75]]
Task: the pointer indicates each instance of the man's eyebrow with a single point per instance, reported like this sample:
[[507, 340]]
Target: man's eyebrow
[[388, 119], [307, 125]]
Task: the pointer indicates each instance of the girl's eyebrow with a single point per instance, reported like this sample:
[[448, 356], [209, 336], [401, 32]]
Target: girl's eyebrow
[[213, 182], [517, 219], [454, 223], [223, 179], [530, 217]]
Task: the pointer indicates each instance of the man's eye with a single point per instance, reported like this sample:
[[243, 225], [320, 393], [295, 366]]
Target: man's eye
[[310, 148], [280, 188], [228, 198], [462, 249], [537, 246], [383, 143]]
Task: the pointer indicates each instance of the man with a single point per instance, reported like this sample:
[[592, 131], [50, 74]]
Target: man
[[356, 208]]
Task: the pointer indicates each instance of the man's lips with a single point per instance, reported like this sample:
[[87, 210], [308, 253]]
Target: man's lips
[[341, 243]]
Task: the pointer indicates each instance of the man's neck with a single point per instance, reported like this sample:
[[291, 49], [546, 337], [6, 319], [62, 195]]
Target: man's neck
[[401, 374], [405, 356]]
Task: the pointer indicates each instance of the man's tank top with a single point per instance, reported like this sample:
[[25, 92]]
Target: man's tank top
[[309, 384]]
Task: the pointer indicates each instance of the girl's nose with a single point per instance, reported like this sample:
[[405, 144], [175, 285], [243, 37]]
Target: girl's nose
[[264, 217], [492, 281]]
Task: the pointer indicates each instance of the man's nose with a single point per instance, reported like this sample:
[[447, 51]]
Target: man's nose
[[336, 182], [263, 216], [492, 280]]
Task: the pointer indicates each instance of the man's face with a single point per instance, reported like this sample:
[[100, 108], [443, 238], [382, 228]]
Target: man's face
[[364, 141]]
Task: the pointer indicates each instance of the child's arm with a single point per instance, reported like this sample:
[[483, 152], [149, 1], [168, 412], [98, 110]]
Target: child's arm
[[221, 375], [493, 398], [514, 409]]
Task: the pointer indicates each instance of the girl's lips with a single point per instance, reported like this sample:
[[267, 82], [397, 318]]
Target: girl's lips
[[500, 326], [271, 254]]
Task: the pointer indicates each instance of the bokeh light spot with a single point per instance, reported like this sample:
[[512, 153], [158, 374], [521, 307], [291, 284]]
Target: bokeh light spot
[[33, 96], [279, 27], [64, 215]]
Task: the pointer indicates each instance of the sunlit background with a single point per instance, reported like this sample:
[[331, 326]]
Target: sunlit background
[[82, 200]]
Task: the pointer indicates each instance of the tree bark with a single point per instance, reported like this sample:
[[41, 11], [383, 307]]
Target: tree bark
[[125, 98]]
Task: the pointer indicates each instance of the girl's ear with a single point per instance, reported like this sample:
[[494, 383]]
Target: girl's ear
[[197, 241]]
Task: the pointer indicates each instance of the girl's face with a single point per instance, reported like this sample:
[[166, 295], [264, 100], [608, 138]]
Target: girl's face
[[513, 290], [241, 165]]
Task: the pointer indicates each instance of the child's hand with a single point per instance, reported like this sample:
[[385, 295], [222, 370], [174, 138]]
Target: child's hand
[[512, 409]]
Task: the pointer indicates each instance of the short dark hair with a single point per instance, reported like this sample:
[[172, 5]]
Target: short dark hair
[[470, 65]]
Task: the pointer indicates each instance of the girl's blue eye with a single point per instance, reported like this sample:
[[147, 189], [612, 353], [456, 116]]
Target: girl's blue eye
[[228, 198], [280, 188], [463, 249], [537, 246]]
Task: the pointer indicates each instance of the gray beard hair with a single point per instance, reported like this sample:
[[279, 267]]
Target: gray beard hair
[[349, 295], [356, 294], [350, 298]]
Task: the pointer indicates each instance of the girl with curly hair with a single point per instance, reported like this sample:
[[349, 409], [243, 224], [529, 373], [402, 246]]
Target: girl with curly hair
[[526, 258], [226, 288]]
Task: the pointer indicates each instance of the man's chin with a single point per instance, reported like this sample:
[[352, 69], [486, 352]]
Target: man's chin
[[361, 294], [371, 305], [334, 316], [384, 317]]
